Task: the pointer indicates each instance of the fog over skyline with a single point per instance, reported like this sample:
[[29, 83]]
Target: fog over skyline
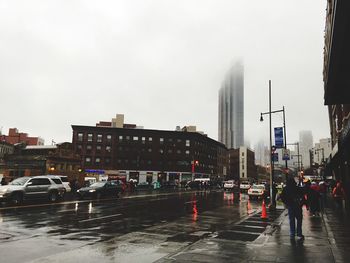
[[160, 63]]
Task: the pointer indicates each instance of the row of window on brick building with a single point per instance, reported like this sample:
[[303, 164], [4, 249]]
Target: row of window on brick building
[[99, 138], [98, 149], [98, 161]]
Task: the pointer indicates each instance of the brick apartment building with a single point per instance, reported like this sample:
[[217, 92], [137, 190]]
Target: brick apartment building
[[14, 137], [131, 152]]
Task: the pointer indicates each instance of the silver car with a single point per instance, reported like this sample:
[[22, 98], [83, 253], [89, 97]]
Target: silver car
[[36, 187]]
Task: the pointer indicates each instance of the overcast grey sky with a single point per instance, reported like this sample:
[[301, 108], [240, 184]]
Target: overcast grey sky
[[159, 62]]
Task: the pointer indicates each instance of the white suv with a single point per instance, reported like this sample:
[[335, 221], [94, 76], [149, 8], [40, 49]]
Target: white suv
[[231, 185], [37, 187], [244, 186], [65, 181], [256, 191]]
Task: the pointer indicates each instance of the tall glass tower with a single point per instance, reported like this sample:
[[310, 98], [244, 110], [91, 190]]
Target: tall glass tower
[[231, 107]]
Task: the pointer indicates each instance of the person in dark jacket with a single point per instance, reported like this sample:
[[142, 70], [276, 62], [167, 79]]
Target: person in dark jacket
[[292, 196]]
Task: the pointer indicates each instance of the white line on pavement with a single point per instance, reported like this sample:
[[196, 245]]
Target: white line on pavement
[[98, 218]]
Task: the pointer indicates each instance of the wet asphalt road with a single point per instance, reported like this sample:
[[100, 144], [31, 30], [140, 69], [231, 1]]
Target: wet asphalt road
[[135, 228]]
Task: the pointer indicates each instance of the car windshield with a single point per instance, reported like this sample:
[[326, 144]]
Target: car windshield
[[19, 181], [98, 184]]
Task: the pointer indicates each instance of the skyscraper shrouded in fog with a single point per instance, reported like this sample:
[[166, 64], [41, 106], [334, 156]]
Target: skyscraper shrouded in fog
[[306, 143], [231, 107]]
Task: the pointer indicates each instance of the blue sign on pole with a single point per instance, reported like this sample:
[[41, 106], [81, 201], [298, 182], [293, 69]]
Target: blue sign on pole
[[279, 137]]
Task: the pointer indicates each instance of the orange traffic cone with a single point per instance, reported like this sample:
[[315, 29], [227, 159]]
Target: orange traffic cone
[[263, 211]]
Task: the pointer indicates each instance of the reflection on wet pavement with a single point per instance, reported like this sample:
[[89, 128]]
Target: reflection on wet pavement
[[113, 230]]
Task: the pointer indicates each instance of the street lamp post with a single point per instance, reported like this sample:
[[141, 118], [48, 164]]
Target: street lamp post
[[271, 147]]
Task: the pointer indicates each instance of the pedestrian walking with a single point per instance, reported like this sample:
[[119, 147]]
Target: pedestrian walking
[[292, 196], [323, 195], [338, 195], [313, 198]]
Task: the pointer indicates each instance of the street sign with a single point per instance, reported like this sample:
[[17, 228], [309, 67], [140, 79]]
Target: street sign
[[285, 154], [279, 137]]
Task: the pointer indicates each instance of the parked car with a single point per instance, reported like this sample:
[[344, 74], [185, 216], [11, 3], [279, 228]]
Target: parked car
[[169, 185], [36, 187], [144, 186], [256, 191], [244, 186], [193, 185], [101, 189], [89, 180], [65, 182]]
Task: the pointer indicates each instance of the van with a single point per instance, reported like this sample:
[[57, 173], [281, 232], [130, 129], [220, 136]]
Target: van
[[89, 181]]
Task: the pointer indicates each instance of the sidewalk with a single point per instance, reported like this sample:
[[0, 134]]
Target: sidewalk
[[327, 239]]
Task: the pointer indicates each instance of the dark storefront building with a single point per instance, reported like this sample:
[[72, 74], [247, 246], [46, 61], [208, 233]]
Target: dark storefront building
[[44, 159], [336, 75], [148, 155]]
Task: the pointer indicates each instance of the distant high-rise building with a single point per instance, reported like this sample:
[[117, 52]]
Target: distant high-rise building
[[306, 143], [322, 150], [262, 156], [231, 108]]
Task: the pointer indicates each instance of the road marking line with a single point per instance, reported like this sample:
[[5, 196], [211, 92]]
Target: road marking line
[[98, 218]]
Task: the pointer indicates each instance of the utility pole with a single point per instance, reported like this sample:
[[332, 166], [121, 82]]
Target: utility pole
[[285, 136]]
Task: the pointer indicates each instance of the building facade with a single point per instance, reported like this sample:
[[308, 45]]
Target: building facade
[[56, 159], [148, 155], [14, 136], [262, 153], [305, 144], [242, 164], [336, 90], [5, 149], [231, 108], [321, 151]]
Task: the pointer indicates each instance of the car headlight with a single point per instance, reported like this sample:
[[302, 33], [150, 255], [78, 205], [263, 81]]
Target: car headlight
[[92, 190], [78, 191]]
